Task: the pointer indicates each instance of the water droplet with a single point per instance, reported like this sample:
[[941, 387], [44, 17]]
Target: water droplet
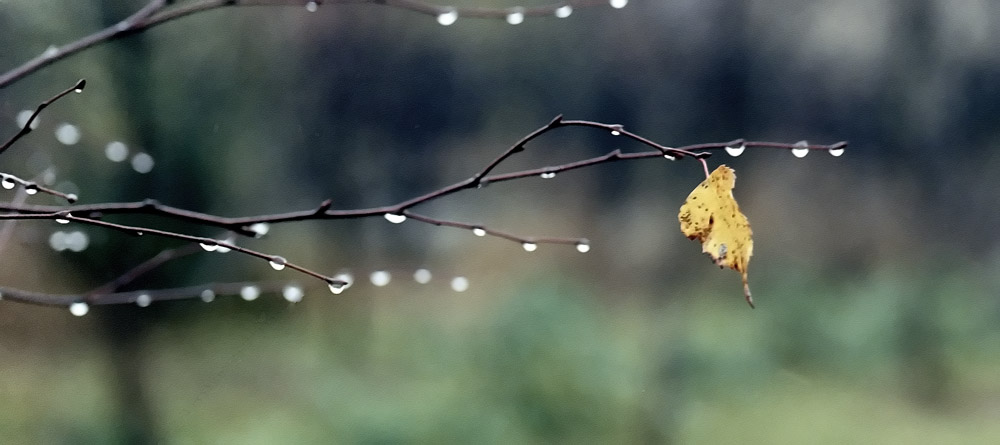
[[669, 157], [142, 163], [564, 11], [79, 308], [380, 278], [143, 300], [68, 134], [312, 6], [530, 247], [836, 151], [422, 276], [249, 293], [51, 51], [801, 149], [224, 249], [548, 175], [448, 16], [260, 229], [8, 183], [31, 188], [459, 284], [278, 263], [395, 218], [479, 231], [23, 116], [516, 16], [337, 288], [209, 246], [207, 295], [293, 294], [616, 130], [116, 151], [618, 4], [62, 220], [583, 247], [72, 198], [736, 150]]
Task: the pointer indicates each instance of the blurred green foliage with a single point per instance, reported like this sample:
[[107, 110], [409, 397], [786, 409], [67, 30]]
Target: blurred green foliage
[[875, 272]]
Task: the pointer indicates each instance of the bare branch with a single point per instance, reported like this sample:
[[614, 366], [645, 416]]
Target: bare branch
[[77, 88], [157, 12]]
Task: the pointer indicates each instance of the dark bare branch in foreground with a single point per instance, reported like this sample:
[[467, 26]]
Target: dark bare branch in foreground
[[158, 12]]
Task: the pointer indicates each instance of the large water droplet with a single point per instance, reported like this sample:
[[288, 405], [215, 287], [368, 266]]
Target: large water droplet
[[143, 300], [278, 263], [62, 221], [224, 249], [31, 188], [340, 282], [312, 6], [459, 284], [801, 149], [72, 198], [422, 276], [618, 4], [209, 246], [516, 16], [380, 278], [116, 151], [448, 16], [548, 175], [564, 11], [395, 218], [68, 134], [583, 247], [479, 231], [292, 293], [735, 150], [836, 151], [207, 295], [79, 308], [530, 247], [8, 183], [249, 293], [260, 229]]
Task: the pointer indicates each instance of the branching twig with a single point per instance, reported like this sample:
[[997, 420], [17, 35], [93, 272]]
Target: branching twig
[[78, 88], [157, 12], [394, 213]]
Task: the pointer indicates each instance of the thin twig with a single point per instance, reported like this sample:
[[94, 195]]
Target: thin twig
[[158, 12], [78, 88]]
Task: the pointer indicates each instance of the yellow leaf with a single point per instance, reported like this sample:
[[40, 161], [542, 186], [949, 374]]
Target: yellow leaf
[[711, 215]]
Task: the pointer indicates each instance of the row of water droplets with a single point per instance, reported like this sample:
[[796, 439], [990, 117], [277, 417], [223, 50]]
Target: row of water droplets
[[583, 246], [800, 149], [515, 16]]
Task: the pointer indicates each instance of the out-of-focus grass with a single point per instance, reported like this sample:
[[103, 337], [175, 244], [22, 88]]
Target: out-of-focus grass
[[546, 361]]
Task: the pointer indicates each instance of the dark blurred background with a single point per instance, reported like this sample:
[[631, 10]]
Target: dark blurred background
[[876, 273]]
